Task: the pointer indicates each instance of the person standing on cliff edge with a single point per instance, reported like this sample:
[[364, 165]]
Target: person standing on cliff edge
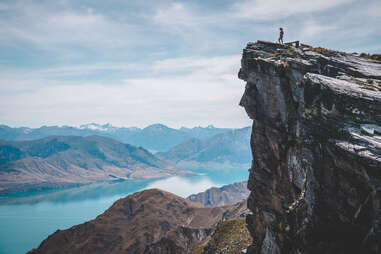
[[280, 40]]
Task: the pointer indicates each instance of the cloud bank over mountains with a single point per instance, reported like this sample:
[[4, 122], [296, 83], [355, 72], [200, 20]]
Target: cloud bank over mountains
[[136, 63]]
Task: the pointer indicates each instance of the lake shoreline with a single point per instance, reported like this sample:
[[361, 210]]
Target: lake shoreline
[[27, 219]]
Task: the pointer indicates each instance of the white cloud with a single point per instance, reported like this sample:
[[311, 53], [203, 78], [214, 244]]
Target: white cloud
[[311, 29], [58, 30], [280, 9], [186, 91], [3, 7], [349, 31], [183, 186], [185, 16], [177, 13], [194, 27], [71, 71], [72, 20], [210, 65], [141, 62]]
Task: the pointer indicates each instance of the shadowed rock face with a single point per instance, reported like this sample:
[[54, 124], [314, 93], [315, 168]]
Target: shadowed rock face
[[315, 179], [150, 221]]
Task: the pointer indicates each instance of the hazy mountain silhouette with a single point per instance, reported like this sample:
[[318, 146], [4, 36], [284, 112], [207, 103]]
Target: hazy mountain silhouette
[[156, 137], [229, 148], [66, 160]]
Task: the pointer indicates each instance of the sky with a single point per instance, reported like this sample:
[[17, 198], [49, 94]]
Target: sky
[[135, 63]]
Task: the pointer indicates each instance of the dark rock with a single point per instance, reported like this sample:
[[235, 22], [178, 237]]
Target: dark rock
[[315, 179]]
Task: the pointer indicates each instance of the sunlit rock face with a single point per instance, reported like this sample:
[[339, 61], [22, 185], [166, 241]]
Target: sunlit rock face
[[315, 179]]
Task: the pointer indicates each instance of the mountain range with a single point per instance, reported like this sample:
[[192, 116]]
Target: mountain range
[[156, 137], [228, 149], [65, 160], [69, 160]]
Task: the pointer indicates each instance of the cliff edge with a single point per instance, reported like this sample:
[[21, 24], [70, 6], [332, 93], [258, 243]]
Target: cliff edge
[[315, 179]]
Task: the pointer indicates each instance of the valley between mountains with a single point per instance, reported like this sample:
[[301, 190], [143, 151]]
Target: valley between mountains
[[63, 160]]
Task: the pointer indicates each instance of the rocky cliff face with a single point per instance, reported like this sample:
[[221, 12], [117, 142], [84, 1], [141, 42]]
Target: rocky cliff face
[[315, 179]]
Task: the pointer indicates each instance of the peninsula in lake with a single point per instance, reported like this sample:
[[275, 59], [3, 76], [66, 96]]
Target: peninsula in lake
[[61, 161]]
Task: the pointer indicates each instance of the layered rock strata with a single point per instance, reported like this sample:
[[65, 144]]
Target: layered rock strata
[[315, 179]]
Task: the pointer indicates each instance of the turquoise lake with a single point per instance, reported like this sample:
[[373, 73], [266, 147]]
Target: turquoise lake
[[28, 218]]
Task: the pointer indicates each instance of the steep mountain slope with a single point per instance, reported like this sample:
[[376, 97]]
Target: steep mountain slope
[[316, 176], [229, 148], [151, 221], [225, 195], [67, 160], [156, 137]]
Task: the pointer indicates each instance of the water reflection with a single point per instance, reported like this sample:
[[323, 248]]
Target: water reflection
[[87, 192], [182, 186]]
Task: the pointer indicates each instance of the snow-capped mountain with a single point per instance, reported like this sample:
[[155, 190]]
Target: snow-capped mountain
[[156, 137]]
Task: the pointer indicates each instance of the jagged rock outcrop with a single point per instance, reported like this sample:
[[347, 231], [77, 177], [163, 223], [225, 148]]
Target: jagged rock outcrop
[[225, 195], [150, 221], [315, 179]]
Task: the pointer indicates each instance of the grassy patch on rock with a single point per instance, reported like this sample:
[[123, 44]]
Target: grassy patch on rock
[[230, 237]]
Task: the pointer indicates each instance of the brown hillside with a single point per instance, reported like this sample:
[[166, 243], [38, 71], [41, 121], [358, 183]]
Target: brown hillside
[[70, 160], [151, 221]]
